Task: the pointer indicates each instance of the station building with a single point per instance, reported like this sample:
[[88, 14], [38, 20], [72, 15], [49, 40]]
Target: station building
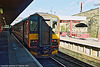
[[92, 21], [73, 25]]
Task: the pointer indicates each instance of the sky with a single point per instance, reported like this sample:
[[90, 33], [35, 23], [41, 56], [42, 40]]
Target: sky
[[58, 7]]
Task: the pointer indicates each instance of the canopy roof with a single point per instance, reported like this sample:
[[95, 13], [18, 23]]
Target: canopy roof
[[72, 17], [11, 9]]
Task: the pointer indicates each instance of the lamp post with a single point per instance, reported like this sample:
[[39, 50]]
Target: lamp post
[[99, 23]]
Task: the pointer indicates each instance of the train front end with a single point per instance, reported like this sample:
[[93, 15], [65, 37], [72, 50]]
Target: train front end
[[44, 35]]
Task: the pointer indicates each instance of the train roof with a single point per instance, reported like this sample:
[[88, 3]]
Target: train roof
[[42, 14], [23, 20]]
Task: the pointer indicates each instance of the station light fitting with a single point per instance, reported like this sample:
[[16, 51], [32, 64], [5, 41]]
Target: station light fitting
[[1, 10]]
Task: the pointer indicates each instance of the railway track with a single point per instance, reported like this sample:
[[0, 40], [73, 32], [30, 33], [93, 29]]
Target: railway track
[[50, 62], [62, 60], [69, 61]]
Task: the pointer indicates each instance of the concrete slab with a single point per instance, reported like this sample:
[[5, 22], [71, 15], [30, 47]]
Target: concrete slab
[[88, 42], [3, 49], [12, 53]]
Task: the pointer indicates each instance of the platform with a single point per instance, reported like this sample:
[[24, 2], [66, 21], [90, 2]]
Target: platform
[[89, 41], [12, 53], [87, 50]]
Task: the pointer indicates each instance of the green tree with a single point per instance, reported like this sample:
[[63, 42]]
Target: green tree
[[63, 28]]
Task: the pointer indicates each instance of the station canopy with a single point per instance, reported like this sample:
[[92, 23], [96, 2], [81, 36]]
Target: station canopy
[[73, 18], [10, 9]]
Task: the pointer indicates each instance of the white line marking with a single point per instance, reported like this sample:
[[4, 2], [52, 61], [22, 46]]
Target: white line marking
[[29, 53], [59, 62]]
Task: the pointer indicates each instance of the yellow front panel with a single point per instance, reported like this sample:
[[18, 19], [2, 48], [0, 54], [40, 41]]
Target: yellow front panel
[[55, 52], [33, 36], [45, 55], [33, 52], [55, 36]]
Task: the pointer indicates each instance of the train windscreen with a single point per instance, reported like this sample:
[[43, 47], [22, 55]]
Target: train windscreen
[[33, 24], [55, 25]]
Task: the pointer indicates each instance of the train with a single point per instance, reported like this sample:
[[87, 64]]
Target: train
[[40, 33]]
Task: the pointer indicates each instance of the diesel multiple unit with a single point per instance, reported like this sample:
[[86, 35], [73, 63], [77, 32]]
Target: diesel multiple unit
[[40, 33]]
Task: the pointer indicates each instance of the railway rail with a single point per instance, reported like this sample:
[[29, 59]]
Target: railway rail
[[62, 60], [50, 62], [69, 61]]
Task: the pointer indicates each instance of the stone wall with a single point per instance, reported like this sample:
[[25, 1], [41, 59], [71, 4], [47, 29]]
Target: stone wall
[[92, 21]]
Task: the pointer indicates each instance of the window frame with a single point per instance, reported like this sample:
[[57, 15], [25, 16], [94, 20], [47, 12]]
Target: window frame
[[36, 22]]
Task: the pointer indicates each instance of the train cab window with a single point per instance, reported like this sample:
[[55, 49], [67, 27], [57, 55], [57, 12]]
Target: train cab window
[[55, 26], [33, 24]]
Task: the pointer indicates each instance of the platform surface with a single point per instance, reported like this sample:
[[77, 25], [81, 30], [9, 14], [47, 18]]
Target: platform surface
[[89, 41], [12, 53]]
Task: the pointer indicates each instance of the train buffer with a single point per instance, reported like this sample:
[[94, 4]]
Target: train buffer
[[13, 53]]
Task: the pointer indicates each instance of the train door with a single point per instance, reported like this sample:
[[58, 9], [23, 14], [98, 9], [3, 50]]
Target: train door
[[25, 32], [0, 28], [46, 33]]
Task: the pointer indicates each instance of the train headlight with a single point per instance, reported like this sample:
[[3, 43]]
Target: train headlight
[[55, 40], [52, 40], [34, 43]]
